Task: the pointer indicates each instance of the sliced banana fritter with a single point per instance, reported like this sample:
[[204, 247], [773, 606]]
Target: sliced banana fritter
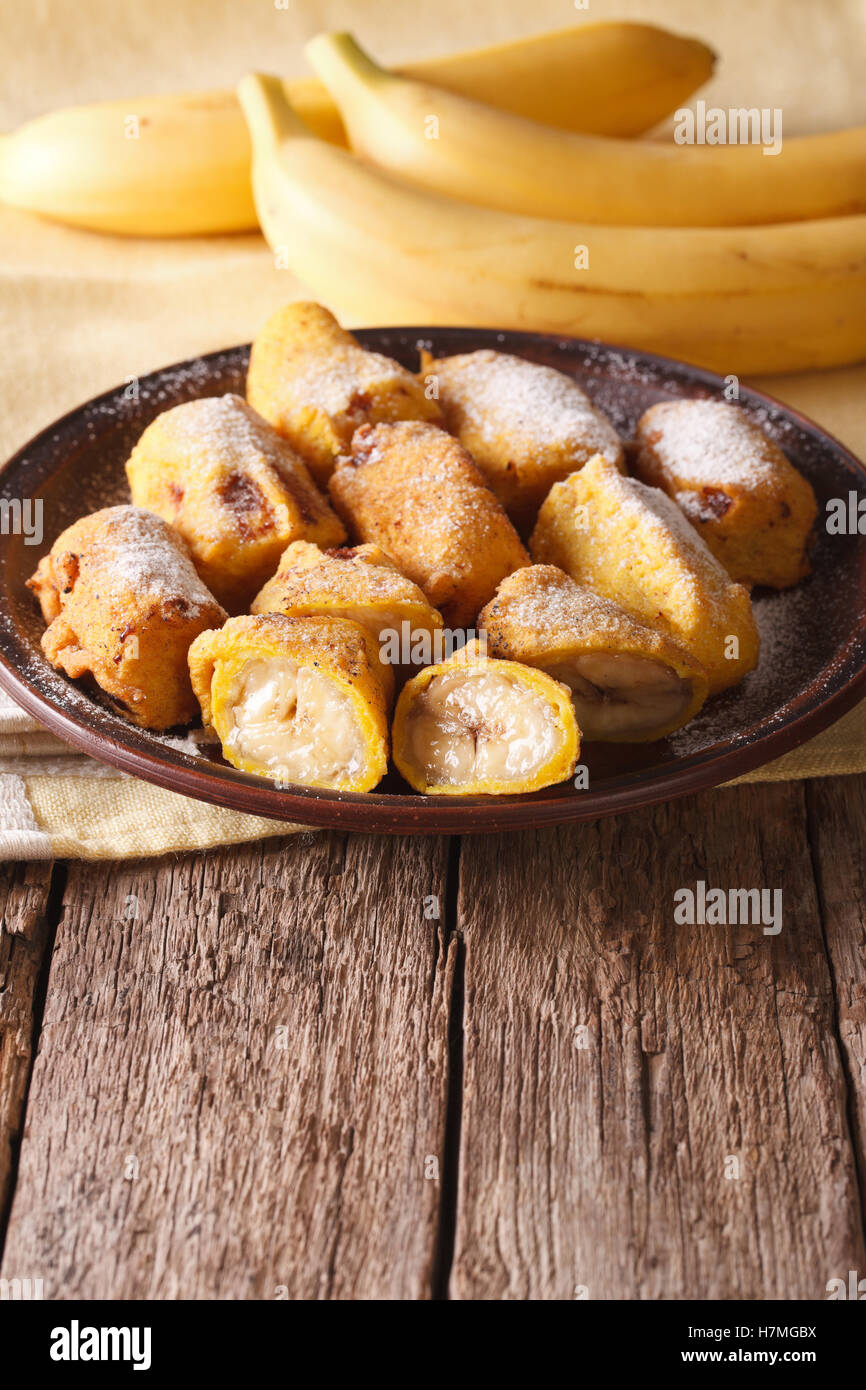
[[735, 486], [298, 700], [414, 490], [358, 582], [236, 492], [123, 602], [476, 726], [632, 544], [629, 683], [315, 383], [527, 426]]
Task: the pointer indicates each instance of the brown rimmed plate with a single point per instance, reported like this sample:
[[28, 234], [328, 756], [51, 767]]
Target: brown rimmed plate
[[813, 659]]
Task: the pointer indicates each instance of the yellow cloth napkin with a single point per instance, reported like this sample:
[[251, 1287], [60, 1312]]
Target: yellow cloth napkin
[[80, 312]]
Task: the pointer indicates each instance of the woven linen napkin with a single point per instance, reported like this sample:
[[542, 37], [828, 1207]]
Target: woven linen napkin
[[80, 312]]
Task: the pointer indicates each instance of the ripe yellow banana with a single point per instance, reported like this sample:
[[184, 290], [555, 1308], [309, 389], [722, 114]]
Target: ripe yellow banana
[[160, 166], [183, 169], [460, 147], [746, 299], [611, 78]]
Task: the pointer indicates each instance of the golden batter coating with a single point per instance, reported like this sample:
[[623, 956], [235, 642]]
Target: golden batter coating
[[413, 490], [526, 426], [234, 489], [629, 683], [750, 505], [359, 582], [298, 700], [631, 543], [316, 385], [123, 603], [474, 726]]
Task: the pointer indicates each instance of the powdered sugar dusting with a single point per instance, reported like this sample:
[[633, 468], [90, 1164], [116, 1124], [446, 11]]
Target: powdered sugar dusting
[[137, 552], [549, 604], [347, 580], [793, 628], [710, 443], [658, 514], [331, 382], [201, 744], [226, 429], [492, 393]]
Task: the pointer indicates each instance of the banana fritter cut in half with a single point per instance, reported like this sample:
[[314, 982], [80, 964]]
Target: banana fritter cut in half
[[236, 492], [737, 488], [632, 544], [473, 726], [298, 700], [123, 603], [413, 490], [629, 683], [526, 426], [359, 582], [316, 385]]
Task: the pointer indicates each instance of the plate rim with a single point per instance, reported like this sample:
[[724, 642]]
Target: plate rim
[[399, 813]]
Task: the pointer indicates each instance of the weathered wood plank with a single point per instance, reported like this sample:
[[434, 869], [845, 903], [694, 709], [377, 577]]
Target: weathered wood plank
[[617, 1062], [24, 931], [242, 1077], [837, 826]]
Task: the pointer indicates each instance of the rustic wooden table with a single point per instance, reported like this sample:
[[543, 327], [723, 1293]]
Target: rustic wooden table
[[275, 1071]]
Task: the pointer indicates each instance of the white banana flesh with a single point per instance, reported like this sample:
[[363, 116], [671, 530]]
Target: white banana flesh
[[618, 698], [294, 723], [737, 300], [472, 726]]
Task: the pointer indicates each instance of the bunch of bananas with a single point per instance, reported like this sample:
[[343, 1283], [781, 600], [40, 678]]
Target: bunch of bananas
[[499, 188], [180, 165]]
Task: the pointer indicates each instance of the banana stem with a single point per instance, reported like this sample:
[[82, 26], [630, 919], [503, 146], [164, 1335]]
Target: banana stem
[[340, 60], [269, 115]]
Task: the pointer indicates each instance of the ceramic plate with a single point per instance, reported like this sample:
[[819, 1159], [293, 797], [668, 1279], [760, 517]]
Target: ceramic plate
[[813, 637]]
